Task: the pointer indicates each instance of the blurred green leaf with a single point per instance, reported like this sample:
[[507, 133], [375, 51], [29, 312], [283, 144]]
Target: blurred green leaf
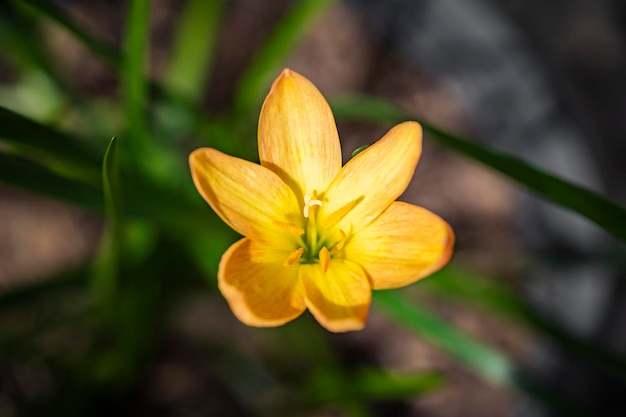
[[483, 360], [271, 57], [25, 174], [191, 57], [54, 147], [20, 41], [111, 186], [457, 282], [490, 364], [51, 11], [171, 208], [133, 76], [461, 284], [376, 384], [369, 384], [599, 209], [105, 274]]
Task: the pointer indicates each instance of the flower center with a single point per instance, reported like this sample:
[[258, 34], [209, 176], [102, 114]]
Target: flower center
[[315, 244]]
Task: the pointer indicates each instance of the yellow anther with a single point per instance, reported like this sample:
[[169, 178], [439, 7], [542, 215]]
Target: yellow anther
[[291, 228], [342, 241], [294, 257], [324, 259], [337, 215]]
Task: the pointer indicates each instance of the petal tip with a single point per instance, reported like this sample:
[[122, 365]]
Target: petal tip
[[193, 156], [448, 247], [412, 127], [286, 72], [343, 325], [196, 155]]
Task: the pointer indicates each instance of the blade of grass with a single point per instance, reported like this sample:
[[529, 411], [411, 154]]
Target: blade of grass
[[192, 53], [486, 362], [457, 283], [20, 49], [328, 386], [54, 13], [170, 208], [483, 360], [133, 77], [373, 383], [111, 57], [268, 61], [25, 135], [112, 192], [20, 172], [105, 274], [600, 210]]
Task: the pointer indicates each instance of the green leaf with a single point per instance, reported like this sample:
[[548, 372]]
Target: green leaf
[[483, 360], [376, 384], [191, 57], [104, 277], [490, 364], [50, 11], [52, 146], [134, 83], [457, 283], [271, 57], [111, 187], [25, 174], [20, 42], [328, 386], [600, 210], [167, 207]]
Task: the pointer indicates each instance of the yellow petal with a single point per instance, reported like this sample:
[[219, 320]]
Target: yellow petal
[[259, 288], [338, 299], [298, 137], [373, 179], [248, 197], [404, 244]]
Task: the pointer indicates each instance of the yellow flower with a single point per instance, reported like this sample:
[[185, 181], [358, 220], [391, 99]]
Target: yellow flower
[[317, 235]]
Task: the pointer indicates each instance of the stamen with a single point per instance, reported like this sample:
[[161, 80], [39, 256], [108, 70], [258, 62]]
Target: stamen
[[337, 215], [342, 241], [324, 259], [308, 203], [294, 257], [291, 228]]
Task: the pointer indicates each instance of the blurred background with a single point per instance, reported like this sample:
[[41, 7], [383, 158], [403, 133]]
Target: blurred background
[[109, 304]]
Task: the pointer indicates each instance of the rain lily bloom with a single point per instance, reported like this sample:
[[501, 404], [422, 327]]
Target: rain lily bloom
[[317, 235]]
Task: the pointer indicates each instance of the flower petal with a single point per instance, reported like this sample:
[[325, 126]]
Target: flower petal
[[248, 197], [298, 137], [404, 244], [259, 288], [373, 179], [338, 299]]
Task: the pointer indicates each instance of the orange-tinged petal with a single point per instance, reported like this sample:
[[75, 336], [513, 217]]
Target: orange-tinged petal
[[373, 179], [248, 197], [339, 299], [259, 288], [298, 136], [404, 244]]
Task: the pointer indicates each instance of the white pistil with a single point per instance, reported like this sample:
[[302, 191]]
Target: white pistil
[[308, 203]]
